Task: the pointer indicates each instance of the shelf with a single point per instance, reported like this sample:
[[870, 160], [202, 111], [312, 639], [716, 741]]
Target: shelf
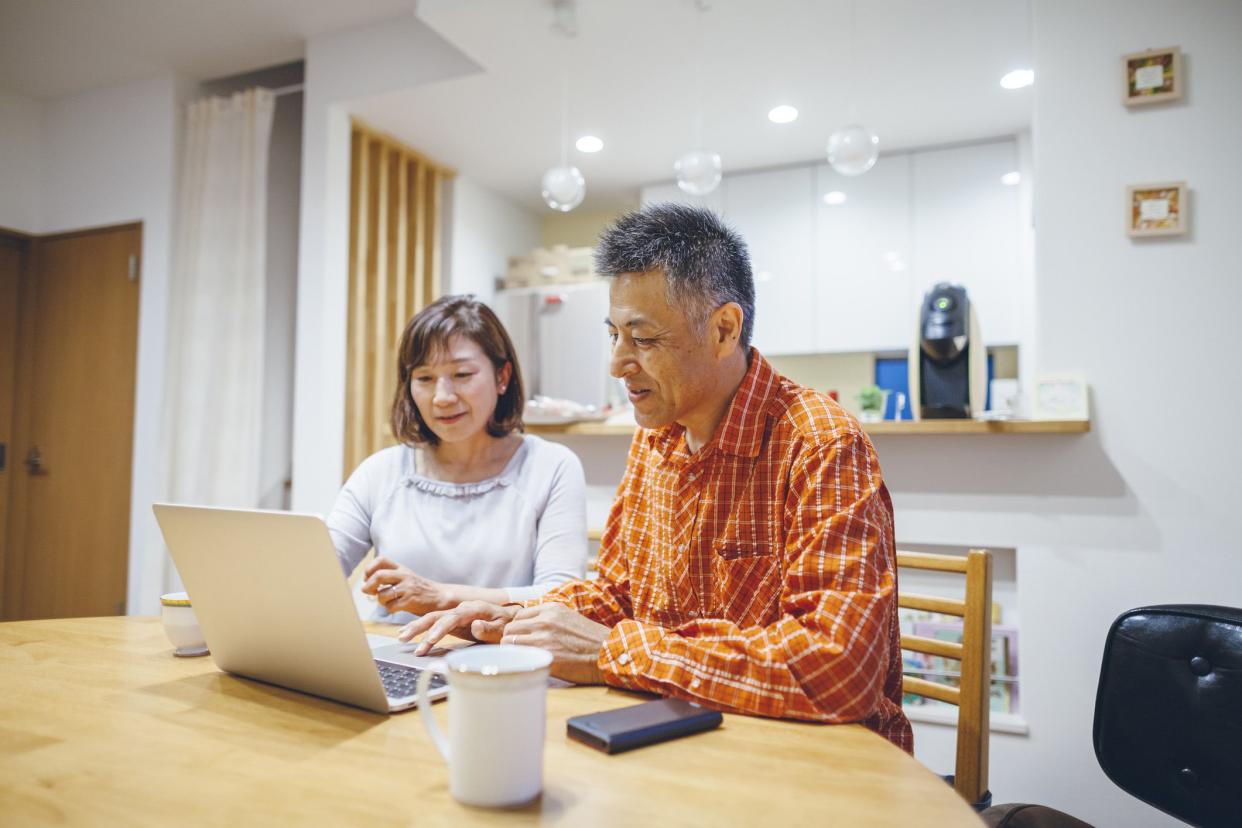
[[886, 427], [947, 715], [978, 427]]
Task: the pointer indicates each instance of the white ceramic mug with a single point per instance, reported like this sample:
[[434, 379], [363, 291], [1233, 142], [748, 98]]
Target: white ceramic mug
[[497, 708], [181, 625]]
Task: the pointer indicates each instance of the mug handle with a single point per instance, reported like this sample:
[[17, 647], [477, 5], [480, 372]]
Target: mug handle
[[424, 706]]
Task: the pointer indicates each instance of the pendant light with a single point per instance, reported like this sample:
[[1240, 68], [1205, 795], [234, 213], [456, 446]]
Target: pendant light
[[698, 170], [563, 187], [853, 149]]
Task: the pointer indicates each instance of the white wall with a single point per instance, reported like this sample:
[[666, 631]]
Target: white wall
[[1142, 510], [486, 229], [341, 68], [109, 157], [21, 127]]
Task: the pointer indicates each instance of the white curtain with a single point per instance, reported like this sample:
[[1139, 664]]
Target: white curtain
[[214, 385]]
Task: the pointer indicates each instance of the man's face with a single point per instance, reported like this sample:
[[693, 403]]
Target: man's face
[[666, 362]]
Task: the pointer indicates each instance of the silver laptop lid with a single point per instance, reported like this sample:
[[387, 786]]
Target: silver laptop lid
[[271, 600]]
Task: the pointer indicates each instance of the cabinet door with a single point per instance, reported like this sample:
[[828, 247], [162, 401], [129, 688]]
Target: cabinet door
[[863, 258], [774, 213], [967, 231]]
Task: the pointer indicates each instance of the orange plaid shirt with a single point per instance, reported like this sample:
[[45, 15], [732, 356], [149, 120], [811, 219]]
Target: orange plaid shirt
[[758, 574]]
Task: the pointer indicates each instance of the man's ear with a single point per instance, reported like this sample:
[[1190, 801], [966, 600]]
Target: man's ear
[[725, 328]]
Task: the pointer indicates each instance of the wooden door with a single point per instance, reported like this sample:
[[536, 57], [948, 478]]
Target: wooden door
[[68, 533], [12, 263]]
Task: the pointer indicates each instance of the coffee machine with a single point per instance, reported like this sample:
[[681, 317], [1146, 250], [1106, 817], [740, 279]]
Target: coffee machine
[[948, 363]]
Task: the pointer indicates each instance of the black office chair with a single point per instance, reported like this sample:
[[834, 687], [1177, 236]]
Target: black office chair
[[1168, 717]]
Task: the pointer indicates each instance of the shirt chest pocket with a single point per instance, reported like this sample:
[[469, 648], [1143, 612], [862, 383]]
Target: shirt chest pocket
[[747, 581], [737, 548]]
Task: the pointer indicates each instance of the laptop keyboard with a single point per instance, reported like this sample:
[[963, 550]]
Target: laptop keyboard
[[401, 681]]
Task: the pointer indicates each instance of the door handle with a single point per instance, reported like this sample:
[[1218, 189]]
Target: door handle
[[34, 461]]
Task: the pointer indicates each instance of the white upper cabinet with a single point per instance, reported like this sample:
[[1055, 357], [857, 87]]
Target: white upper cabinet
[[850, 276], [774, 212], [671, 192], [967, 231], [863, 256]]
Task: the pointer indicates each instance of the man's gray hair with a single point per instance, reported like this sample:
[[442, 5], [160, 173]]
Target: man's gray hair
[[704, 260]]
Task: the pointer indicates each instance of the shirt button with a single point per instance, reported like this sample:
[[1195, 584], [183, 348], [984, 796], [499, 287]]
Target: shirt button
[[694, 613], [624, 658], [692, 476], [695, 683]]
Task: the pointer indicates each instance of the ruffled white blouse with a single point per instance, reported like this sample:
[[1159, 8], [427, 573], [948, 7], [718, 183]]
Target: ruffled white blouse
[[523, 530]]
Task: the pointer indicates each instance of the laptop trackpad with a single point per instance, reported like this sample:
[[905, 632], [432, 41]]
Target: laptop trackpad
[[402, 653]]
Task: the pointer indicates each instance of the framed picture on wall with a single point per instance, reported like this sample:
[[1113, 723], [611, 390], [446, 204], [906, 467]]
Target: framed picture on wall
[[1154, 76], [1061, 397], [1157, 209]]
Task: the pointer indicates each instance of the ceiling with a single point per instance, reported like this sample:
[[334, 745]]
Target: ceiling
[[53, 48], [925, 72]]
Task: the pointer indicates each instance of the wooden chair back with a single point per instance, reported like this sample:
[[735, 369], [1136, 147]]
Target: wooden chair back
[[974, 652]]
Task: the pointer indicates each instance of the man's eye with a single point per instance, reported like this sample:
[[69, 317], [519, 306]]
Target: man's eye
[[464, 374], [612, 337], [642, 343]]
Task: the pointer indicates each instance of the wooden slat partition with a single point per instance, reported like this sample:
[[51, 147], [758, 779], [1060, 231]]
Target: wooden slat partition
[[394, 261]]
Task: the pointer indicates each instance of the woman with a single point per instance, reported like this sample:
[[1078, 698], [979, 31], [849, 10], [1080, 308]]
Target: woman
[[466, 508]]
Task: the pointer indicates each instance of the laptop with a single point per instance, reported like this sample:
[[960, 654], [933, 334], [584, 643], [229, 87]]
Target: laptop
[[273, 605]]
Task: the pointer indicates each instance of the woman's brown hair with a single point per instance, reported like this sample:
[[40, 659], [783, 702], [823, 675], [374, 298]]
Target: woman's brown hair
[[428, 333]]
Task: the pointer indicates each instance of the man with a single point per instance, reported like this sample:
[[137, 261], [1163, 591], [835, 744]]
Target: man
[[748, 561]]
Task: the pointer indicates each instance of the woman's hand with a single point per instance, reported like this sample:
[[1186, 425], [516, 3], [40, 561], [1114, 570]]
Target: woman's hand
[[400, 589]]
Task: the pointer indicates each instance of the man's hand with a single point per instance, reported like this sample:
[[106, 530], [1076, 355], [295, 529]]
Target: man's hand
[[573, 639], [399, 588], [470, 619]]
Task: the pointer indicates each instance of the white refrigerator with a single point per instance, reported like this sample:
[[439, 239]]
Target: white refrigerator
[[561, 341]]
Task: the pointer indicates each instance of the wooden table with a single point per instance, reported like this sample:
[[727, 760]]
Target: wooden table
[[101, 724]]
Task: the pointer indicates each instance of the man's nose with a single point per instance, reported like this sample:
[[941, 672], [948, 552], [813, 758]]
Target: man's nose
[[621, 362]]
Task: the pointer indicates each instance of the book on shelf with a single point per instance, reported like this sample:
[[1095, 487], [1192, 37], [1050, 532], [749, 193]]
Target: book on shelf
[[943, 670]]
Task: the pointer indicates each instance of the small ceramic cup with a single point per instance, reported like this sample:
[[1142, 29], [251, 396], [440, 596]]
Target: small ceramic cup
[[181, 625]]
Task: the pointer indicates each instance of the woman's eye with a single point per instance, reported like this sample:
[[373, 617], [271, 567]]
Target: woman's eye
[[422, 380]]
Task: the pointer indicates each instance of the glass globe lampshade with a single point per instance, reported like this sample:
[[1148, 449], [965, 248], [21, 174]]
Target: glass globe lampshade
[[563, 188], [852, 150], [698, 171]]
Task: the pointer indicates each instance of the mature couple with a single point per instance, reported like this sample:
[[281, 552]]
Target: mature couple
[[748, 560]]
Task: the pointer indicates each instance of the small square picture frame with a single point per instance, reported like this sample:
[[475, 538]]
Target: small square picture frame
[[1157, 209], [1152, 76], [1061, 397]]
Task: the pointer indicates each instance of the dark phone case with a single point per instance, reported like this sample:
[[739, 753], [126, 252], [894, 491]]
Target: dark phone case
[[625, 728]]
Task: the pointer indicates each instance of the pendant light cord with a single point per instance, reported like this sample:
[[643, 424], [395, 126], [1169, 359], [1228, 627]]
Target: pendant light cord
[[852, 73], [565, 117]]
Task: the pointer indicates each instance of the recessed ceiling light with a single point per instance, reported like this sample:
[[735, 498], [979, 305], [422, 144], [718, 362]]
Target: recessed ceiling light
[[834, 198], [589, 143], [783, 114], [1011, 178], [1018, 78]]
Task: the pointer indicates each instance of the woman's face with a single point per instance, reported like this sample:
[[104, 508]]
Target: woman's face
[[456, 390]]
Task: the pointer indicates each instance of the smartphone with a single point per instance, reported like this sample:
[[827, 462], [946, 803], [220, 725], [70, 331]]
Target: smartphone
[[625, 728]]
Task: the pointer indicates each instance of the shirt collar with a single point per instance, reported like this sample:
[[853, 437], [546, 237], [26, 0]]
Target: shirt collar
[[742, 429]]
